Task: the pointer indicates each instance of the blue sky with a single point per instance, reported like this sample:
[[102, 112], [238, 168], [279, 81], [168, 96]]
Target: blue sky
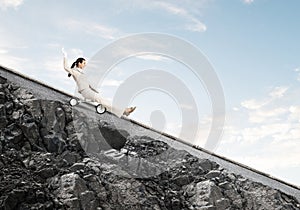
[[253, 45]]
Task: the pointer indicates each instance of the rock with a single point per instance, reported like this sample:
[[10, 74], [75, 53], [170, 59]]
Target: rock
[[2, 111], [222, 204], [2, 97], [209, 207], [99, 189], [31, 132], [3, 117], [71, 185], [145, 146], [175, 202], [72, 203], [22, 93], [15, 135], [206, 165], [88, 201], [3, 121], [54, 117], [255, 197], [70, 129], [40, 196], [54, 143], [33, 108], [46, 173], [204, 193], [3, 80], [77, 166], [9, 106], [226, 185], [213, 174], [43, 165], [70, 157], [182, 180], [17, 114], [232, 177], [116, 138], [14, 198]]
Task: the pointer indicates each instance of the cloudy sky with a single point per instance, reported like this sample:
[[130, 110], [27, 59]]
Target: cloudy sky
[[253, 45]]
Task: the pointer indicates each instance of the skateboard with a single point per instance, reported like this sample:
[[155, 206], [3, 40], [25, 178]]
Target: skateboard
[[100, 109]]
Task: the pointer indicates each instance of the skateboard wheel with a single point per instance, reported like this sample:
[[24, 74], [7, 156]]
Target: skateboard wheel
[[100, 109], [73, 102]]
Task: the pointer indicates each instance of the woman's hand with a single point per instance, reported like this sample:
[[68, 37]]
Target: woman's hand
[[64, 52]]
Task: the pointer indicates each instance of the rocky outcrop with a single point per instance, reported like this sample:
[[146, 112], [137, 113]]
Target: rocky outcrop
[[49, 160]]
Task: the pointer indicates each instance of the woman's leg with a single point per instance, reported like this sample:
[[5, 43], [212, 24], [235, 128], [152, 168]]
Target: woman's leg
[[92, 95], [117, 111]]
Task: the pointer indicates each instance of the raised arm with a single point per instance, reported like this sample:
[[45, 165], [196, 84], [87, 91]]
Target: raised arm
[[66, 67]]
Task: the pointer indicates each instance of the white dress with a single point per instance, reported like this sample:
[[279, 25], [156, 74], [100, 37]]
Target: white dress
[[86, 90]]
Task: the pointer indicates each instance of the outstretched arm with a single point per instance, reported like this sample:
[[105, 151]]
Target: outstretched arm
[[69, 70]]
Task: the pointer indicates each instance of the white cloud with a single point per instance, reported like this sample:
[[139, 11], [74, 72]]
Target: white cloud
[[256, 134], [298, 71], [271, 144], [248, 1], [186, 106], [93, 28], [76, 52], [275, 93], [11, 61], [151, 57], [270, 119], [264, 115], [290, 136], [271, 160], [53, 72], [206, 120], [173, 128], [278, 92], [54, 46], [235, 109], [187, 10], [266, 147], [55, 66], [5, 4], [3, 51], [111, 83], [273, 132], [294, 112], [193, 23], [196, 26], [231, 134], [10, 45], [172, 9], [254, 104]]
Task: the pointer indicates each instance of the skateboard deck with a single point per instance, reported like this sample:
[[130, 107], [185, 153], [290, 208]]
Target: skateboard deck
[[100, 109]]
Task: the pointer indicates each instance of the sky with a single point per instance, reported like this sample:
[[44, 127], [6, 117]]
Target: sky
[[253, 46]]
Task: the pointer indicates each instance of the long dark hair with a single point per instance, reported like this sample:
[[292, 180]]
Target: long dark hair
[[79, 60]]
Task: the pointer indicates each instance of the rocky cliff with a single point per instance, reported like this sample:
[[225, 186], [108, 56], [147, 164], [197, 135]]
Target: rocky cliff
[[45, 165]]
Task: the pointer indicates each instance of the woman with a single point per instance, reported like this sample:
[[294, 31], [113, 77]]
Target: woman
[[86, 90]]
